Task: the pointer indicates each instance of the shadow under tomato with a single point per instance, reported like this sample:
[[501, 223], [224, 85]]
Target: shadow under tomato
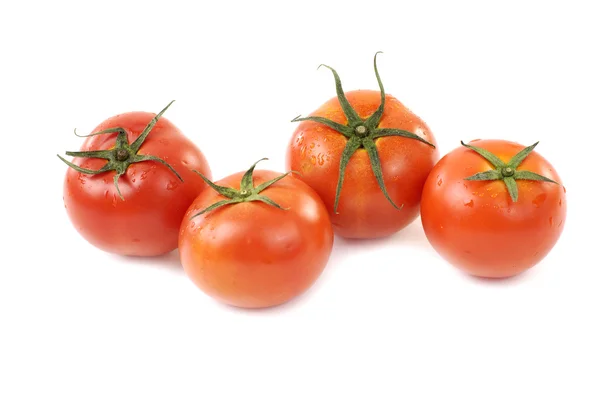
[[523, 277], [411, 235], [169, 261], [287, 306]]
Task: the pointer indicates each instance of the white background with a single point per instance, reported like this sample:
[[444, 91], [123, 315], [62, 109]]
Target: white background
[[387, 318]]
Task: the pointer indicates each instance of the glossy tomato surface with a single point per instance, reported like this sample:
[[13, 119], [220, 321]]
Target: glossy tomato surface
[[477, 227], [315, 151], [252, 254], [147, 221]]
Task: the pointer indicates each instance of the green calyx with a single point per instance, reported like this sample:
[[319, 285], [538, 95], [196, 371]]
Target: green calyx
[[507, 172], [122, 155], [247, 192], [361, 133]]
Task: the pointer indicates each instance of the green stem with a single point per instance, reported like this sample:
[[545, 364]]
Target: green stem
[[122, 155], [247, 192], [352, 146], [375, 118], [507, 172], [350, 113], [361, 133]]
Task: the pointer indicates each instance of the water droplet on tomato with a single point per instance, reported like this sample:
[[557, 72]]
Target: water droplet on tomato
[[469, 203], [560, 202], [440, 181], [560, 223], [192, 225], [313, 160], [321, 159], [171, 185], [539, 200], [564, 190], [133, 180], [106, 194], [312, 145]]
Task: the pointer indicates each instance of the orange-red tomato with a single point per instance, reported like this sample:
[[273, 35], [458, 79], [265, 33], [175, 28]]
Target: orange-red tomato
[[476, 225], [379, 143], [250, 253], [146, 220]]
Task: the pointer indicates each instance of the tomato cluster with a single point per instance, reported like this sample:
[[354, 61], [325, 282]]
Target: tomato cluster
[[361, 166]]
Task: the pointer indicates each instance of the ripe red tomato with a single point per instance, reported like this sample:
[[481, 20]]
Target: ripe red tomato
[[493, 208], [367, 156], [124, 191], [256, 243]]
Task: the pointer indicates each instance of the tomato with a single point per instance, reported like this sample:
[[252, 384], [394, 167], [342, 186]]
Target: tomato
[[367, 156], [493, 208], [128, 188], [257, 240]]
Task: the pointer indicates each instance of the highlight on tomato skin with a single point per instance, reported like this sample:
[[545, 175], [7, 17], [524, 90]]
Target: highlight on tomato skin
[[367, 156], [130, 184], [493, 208], [256, 239]]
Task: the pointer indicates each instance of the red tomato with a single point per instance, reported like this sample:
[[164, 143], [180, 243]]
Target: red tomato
[[495, 213], [367, 156], [145, 220], [254, 246]]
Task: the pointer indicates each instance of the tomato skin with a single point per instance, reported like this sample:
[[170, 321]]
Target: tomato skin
[[315, 151], [147, 222], [475, 226], [254, 255]]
